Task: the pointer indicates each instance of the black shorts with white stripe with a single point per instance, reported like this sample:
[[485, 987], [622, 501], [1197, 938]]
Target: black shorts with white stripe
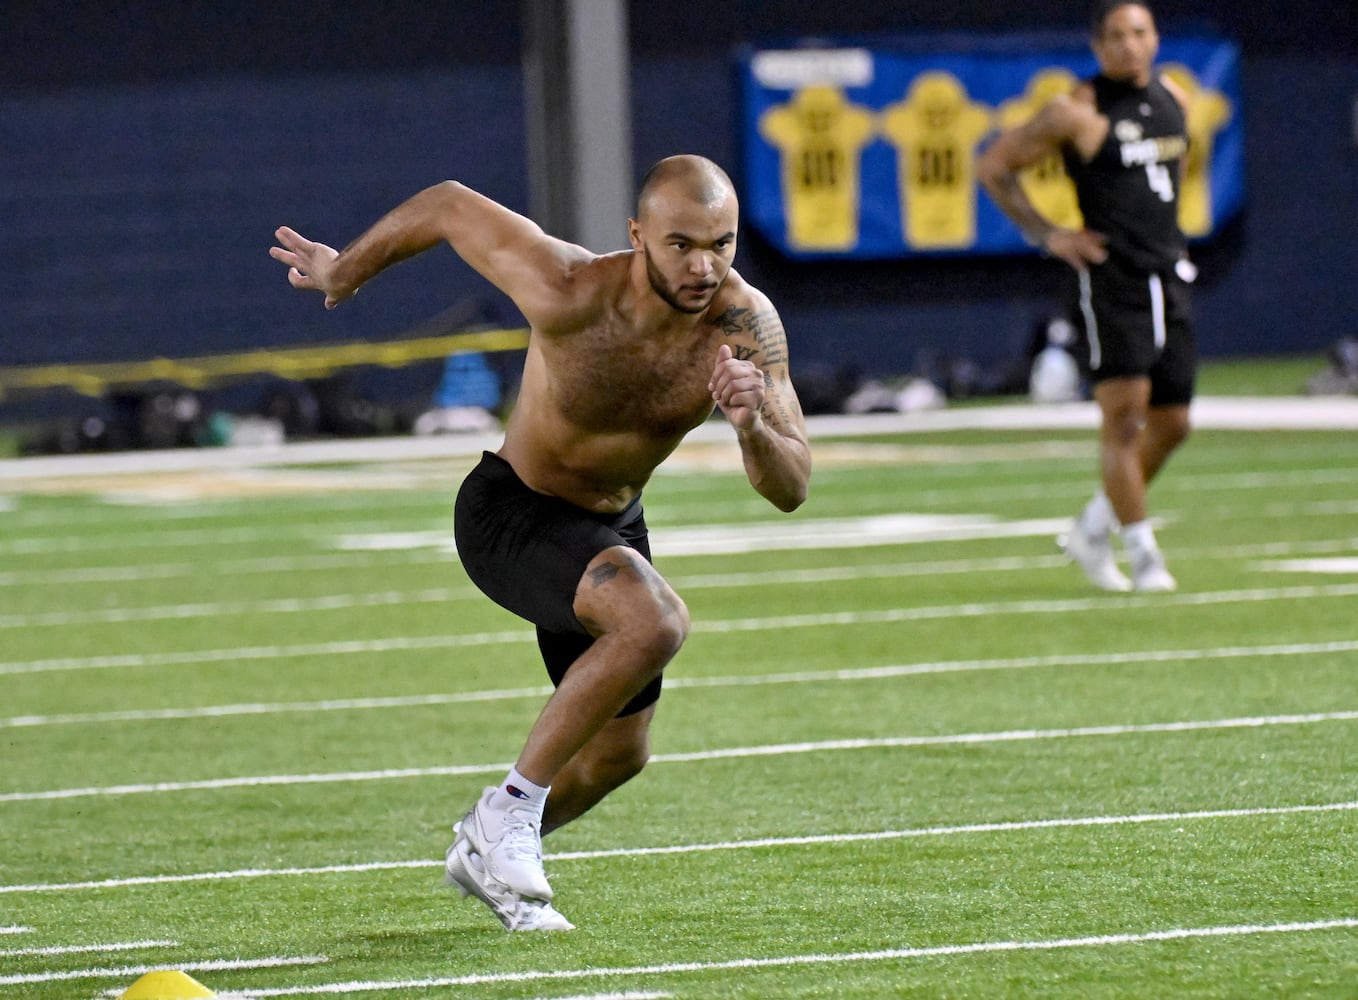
[[1137, 323]]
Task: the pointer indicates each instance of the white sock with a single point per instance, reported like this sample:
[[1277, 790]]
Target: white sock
[[518, 793], [1139, 538], [1098, 517]]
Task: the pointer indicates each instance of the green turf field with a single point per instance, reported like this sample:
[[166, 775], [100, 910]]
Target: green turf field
[[906, 752]]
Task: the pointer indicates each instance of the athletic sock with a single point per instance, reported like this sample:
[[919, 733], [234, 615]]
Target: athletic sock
[[1098, 518], [518, 793], [1139, 538]]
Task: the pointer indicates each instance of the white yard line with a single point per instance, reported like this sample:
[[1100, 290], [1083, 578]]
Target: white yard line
[[77, 949], [215, 609], [690, 539], [128, 513], [767, 750], [1338, 566], [338, 602], [240, 653], [1016, 826], [128, 971], [183, 537], [134, 572], [1118, 658], [1104, 604]]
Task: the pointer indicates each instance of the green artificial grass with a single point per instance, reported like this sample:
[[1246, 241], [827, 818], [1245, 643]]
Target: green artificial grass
[[942, 767]]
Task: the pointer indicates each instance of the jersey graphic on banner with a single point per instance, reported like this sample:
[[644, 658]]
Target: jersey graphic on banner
[[935, 130], [820, 136]]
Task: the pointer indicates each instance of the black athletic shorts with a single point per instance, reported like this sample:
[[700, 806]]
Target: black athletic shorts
[[1137, 323], [527, 553]]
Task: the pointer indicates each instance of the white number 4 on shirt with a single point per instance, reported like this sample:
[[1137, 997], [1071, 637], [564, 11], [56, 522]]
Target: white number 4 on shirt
[[1157, 175]]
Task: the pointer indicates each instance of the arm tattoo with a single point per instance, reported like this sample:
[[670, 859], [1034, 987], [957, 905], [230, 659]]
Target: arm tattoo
[[764, 326], [769, 335], [775, 410]]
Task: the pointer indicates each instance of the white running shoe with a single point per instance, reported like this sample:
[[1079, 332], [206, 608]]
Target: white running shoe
[[514, 858], [1094, 554], [467, 871], [1149, 575]]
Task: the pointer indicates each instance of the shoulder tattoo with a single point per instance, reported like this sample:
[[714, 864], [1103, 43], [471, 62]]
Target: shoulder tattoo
[[764, 326]]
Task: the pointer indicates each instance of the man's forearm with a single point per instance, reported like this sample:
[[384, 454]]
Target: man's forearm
[[778, 466], [1006, 191], [410, 228]]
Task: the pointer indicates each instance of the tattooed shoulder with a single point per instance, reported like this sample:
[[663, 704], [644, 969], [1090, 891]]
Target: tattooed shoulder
[[763, 326]]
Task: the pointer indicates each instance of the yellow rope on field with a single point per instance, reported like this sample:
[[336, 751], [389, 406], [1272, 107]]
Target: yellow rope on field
[[316, 361]]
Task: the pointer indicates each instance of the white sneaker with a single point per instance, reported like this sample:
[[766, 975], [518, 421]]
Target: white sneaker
[[467, 871], [514, 858], [1094, 555], [1149, 575]]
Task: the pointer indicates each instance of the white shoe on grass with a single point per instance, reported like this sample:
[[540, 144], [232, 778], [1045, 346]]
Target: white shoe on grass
[[514, 857], [466, 869], [1094, 554], [1149, 575]]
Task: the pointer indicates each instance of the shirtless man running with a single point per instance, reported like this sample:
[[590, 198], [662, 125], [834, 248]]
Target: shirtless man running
[[628, 352]]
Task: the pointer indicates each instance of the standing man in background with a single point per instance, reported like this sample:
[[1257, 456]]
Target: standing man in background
[[1123, 137], [628, 352]]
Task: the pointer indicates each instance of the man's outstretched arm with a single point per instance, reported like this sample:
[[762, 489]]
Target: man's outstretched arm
[[508, 249]]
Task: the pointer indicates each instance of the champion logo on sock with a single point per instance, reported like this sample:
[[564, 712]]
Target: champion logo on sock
[[518, 793]]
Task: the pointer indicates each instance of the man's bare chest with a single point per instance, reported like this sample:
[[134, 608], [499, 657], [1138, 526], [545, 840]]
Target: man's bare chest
[[613, 382]]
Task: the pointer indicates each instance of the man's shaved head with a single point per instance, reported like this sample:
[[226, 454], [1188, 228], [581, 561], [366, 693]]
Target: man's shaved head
[[684, 233], [692, 178]]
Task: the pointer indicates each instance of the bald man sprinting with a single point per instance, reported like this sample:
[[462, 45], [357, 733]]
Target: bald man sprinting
[[628, 352]]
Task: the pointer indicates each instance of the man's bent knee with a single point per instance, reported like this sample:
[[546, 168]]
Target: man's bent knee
[[669, 629], [621, 593]]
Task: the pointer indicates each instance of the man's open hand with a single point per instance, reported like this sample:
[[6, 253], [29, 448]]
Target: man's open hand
[[310, 265]]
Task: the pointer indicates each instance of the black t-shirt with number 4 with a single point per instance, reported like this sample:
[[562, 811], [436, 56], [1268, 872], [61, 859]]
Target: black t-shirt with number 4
[[1129, 190]]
